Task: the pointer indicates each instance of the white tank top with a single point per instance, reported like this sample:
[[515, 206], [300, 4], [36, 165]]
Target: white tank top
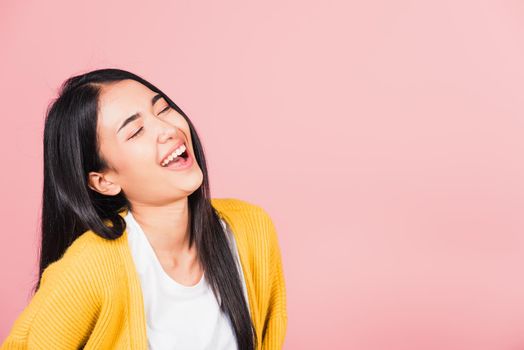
[[179, 316]]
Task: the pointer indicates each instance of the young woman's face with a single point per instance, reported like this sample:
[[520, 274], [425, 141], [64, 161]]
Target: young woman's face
[[135, 150]]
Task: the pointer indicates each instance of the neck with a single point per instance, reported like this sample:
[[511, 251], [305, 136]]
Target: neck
[[167, 229]]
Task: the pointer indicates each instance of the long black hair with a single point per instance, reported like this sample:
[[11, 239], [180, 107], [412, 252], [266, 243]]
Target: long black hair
[[70, 207]]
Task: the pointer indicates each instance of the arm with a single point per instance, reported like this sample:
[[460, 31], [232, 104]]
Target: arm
[[276, 321], [63, 310]]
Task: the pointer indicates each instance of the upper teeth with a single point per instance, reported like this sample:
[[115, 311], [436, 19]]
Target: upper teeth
[[173, 155]]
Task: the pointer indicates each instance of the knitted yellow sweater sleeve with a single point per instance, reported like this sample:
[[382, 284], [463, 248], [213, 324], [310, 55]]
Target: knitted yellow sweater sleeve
[[62, 312], [276, 321]]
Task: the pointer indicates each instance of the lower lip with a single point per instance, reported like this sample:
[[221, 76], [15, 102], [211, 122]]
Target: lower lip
[[181, 164]]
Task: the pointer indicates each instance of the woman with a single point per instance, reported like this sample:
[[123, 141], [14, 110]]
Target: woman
[[133, 247]]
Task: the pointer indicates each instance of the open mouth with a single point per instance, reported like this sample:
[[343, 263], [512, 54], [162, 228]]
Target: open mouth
[[178, 159], [183, 155]]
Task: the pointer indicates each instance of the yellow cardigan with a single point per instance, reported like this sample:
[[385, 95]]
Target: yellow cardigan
[[92, 297]]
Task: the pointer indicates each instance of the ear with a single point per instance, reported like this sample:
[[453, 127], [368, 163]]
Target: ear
[[100, 183]]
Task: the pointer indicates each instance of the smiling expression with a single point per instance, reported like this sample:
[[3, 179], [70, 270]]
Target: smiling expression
[[136, 129]]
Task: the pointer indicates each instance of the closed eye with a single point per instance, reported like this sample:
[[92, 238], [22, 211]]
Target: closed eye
[[165, 109], [141, 128], [136, 133]]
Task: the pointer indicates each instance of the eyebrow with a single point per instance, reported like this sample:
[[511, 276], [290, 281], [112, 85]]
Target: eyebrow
[[138, 115]]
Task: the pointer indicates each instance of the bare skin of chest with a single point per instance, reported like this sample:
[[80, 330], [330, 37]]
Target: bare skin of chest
[[183, 267], [183, 275]]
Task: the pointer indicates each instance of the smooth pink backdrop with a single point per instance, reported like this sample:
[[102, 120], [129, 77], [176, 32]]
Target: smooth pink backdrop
[[385, 138]]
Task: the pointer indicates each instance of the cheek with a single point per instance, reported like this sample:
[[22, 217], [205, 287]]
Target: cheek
[[138, 174], [136, 159], [139, 157]]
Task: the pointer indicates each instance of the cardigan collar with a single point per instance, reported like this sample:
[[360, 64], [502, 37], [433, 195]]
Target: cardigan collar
[[233, 218]]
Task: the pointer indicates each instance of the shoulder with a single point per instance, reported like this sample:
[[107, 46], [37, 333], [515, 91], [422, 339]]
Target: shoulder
[[242, 212], [70, 260], [90, 244], [250, 222], [237, 205], [84, 263], [68, 301]]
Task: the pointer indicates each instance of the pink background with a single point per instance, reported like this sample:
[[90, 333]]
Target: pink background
[[385, 138]]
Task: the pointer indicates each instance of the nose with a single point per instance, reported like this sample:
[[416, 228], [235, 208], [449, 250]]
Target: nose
[[167, 131]]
